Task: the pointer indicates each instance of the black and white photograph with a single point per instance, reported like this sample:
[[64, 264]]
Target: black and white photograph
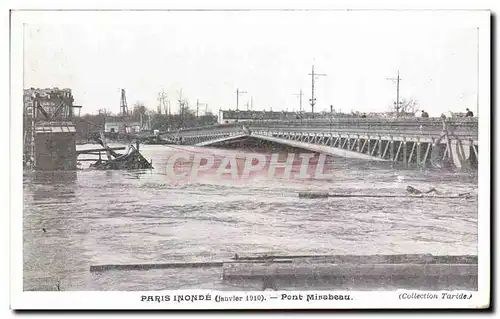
[[250, 159]]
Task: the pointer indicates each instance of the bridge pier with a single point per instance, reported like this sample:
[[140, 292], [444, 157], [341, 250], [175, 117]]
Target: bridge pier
[[425, 160], [369, 145], [384, 154], [380, 146], [344, 143], [363, 146], [473, 156], [405, 150], [419, 156], [461, 154], [392, 149], [374, 149], [397, 153], [411, 153]]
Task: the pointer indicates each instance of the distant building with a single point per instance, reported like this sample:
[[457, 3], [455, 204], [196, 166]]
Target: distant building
[[112, 127], [390, 115], [232, 116], [121, 125]]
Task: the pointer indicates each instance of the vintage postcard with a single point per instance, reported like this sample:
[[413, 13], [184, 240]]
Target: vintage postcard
[[250, 159]]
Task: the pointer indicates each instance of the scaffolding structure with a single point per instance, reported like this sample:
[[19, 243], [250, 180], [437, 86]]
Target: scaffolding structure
[[49, 132]]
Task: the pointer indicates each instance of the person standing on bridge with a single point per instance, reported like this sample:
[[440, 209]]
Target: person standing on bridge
[[443, 120], [424, 114], [469, 113]]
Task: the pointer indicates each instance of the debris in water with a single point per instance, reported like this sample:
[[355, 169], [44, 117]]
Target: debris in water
[[133, 159]]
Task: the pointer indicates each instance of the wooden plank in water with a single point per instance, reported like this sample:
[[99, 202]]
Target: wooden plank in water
[[119, 148], [371, 259], [90, 160], [325, 195], [214, 264], [301, 270], [155, 266]]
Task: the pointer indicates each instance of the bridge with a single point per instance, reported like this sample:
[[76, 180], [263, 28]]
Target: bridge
[[412, 142]]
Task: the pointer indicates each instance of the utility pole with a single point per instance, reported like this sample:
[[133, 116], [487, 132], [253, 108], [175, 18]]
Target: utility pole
[[181, 107], [162, 96], [180, 101], [159, 103], [397, 104], [300, 100], [238, 92], [251, 103], [123, 104], [312, 101], [198, 104], [331, 117], [248, 105], [197, 107]]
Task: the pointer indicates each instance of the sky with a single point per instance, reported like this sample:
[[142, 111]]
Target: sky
[[269, 55]]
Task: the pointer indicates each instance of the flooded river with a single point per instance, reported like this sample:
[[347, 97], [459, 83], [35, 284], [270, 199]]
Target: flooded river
[[101, 217]]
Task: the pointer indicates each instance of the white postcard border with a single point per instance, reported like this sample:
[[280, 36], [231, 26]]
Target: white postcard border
[[132, 300]]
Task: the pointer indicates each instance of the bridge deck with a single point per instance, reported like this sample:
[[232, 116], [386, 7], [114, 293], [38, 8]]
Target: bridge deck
[[222, 139], [418, 141], [319, 148], [425, 129]]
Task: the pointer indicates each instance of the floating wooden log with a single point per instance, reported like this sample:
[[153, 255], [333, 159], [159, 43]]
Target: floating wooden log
[[92, 151], [352, 266], [214, 264], [324, 270], [89, 160], [155, 266], [325, 194], [403, 259], [373, 259], [413, 271]]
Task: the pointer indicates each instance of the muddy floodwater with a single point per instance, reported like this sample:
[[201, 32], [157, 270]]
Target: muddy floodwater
[[101, 217]]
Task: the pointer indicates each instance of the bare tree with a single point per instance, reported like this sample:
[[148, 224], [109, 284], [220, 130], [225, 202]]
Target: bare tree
[[139, 111], [104, 112], [187, 112], [409, 107]]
